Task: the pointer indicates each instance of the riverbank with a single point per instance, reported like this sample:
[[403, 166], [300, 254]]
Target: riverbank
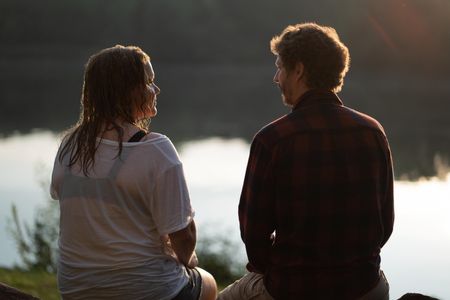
[[36, 283]]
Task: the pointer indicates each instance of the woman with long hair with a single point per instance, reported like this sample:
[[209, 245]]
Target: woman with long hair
[[126, 229]]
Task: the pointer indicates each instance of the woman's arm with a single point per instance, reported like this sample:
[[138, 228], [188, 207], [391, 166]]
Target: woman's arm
[[183, 244]]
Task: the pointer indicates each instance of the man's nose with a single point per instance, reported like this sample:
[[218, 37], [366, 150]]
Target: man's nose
[[275, 77]]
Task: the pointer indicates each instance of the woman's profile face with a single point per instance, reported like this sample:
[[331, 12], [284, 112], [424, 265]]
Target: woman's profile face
[[151, 92]]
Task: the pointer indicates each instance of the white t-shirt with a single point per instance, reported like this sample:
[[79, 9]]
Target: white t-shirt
[[114, 223]]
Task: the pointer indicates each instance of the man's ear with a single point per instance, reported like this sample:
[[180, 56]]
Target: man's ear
[[299, 71]]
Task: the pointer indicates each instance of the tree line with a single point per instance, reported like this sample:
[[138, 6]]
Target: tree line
[[382, 34]]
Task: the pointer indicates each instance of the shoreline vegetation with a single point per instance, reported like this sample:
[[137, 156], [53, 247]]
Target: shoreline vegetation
[[40, 284], [36, 246], [43, 285]]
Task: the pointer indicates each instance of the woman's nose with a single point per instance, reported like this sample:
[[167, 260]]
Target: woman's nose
[[157, 89]]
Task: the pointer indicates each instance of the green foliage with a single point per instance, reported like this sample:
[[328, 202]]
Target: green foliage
[[37, 247], [40, 284], [37, 244], [219, 255], [38, 250]]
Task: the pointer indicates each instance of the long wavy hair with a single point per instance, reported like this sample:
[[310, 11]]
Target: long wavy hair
[[113, 89]]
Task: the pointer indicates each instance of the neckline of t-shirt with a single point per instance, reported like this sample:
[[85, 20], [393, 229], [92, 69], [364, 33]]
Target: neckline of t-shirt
[[155, 139]]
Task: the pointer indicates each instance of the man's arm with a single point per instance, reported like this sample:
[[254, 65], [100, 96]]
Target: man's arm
[[256, 207], [183, 244], [388, 205]]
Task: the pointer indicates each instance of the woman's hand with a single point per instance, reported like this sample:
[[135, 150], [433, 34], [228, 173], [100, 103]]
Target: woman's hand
[[193, 262]]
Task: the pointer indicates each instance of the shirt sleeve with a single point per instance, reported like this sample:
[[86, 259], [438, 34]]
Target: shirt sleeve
[[256, 207], [387, 207], [171, 206]]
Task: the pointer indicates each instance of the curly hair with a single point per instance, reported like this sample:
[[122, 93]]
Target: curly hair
[[113, 89], [325, 58]]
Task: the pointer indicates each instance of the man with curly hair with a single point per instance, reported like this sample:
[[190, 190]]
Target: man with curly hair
[[317, 201]]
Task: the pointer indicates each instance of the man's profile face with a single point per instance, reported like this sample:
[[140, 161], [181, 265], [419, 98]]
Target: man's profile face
[[281, 78]]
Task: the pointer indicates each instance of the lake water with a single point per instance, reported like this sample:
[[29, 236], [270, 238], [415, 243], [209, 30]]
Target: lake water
[[415, 259]]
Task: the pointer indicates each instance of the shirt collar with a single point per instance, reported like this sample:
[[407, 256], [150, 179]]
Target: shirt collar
[[314, 97]]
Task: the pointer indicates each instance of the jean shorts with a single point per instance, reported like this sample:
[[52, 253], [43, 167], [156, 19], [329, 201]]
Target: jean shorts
[[192, 289]]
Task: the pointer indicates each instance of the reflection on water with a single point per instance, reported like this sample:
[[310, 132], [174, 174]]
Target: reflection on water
[[415, 259], [416, 256], [234, 101]]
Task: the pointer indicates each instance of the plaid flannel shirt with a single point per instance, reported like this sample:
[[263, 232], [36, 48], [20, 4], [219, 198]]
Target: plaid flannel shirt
[[317, 201]]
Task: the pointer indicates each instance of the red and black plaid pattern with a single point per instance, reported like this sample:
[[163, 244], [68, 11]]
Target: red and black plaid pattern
[[321, 178]]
